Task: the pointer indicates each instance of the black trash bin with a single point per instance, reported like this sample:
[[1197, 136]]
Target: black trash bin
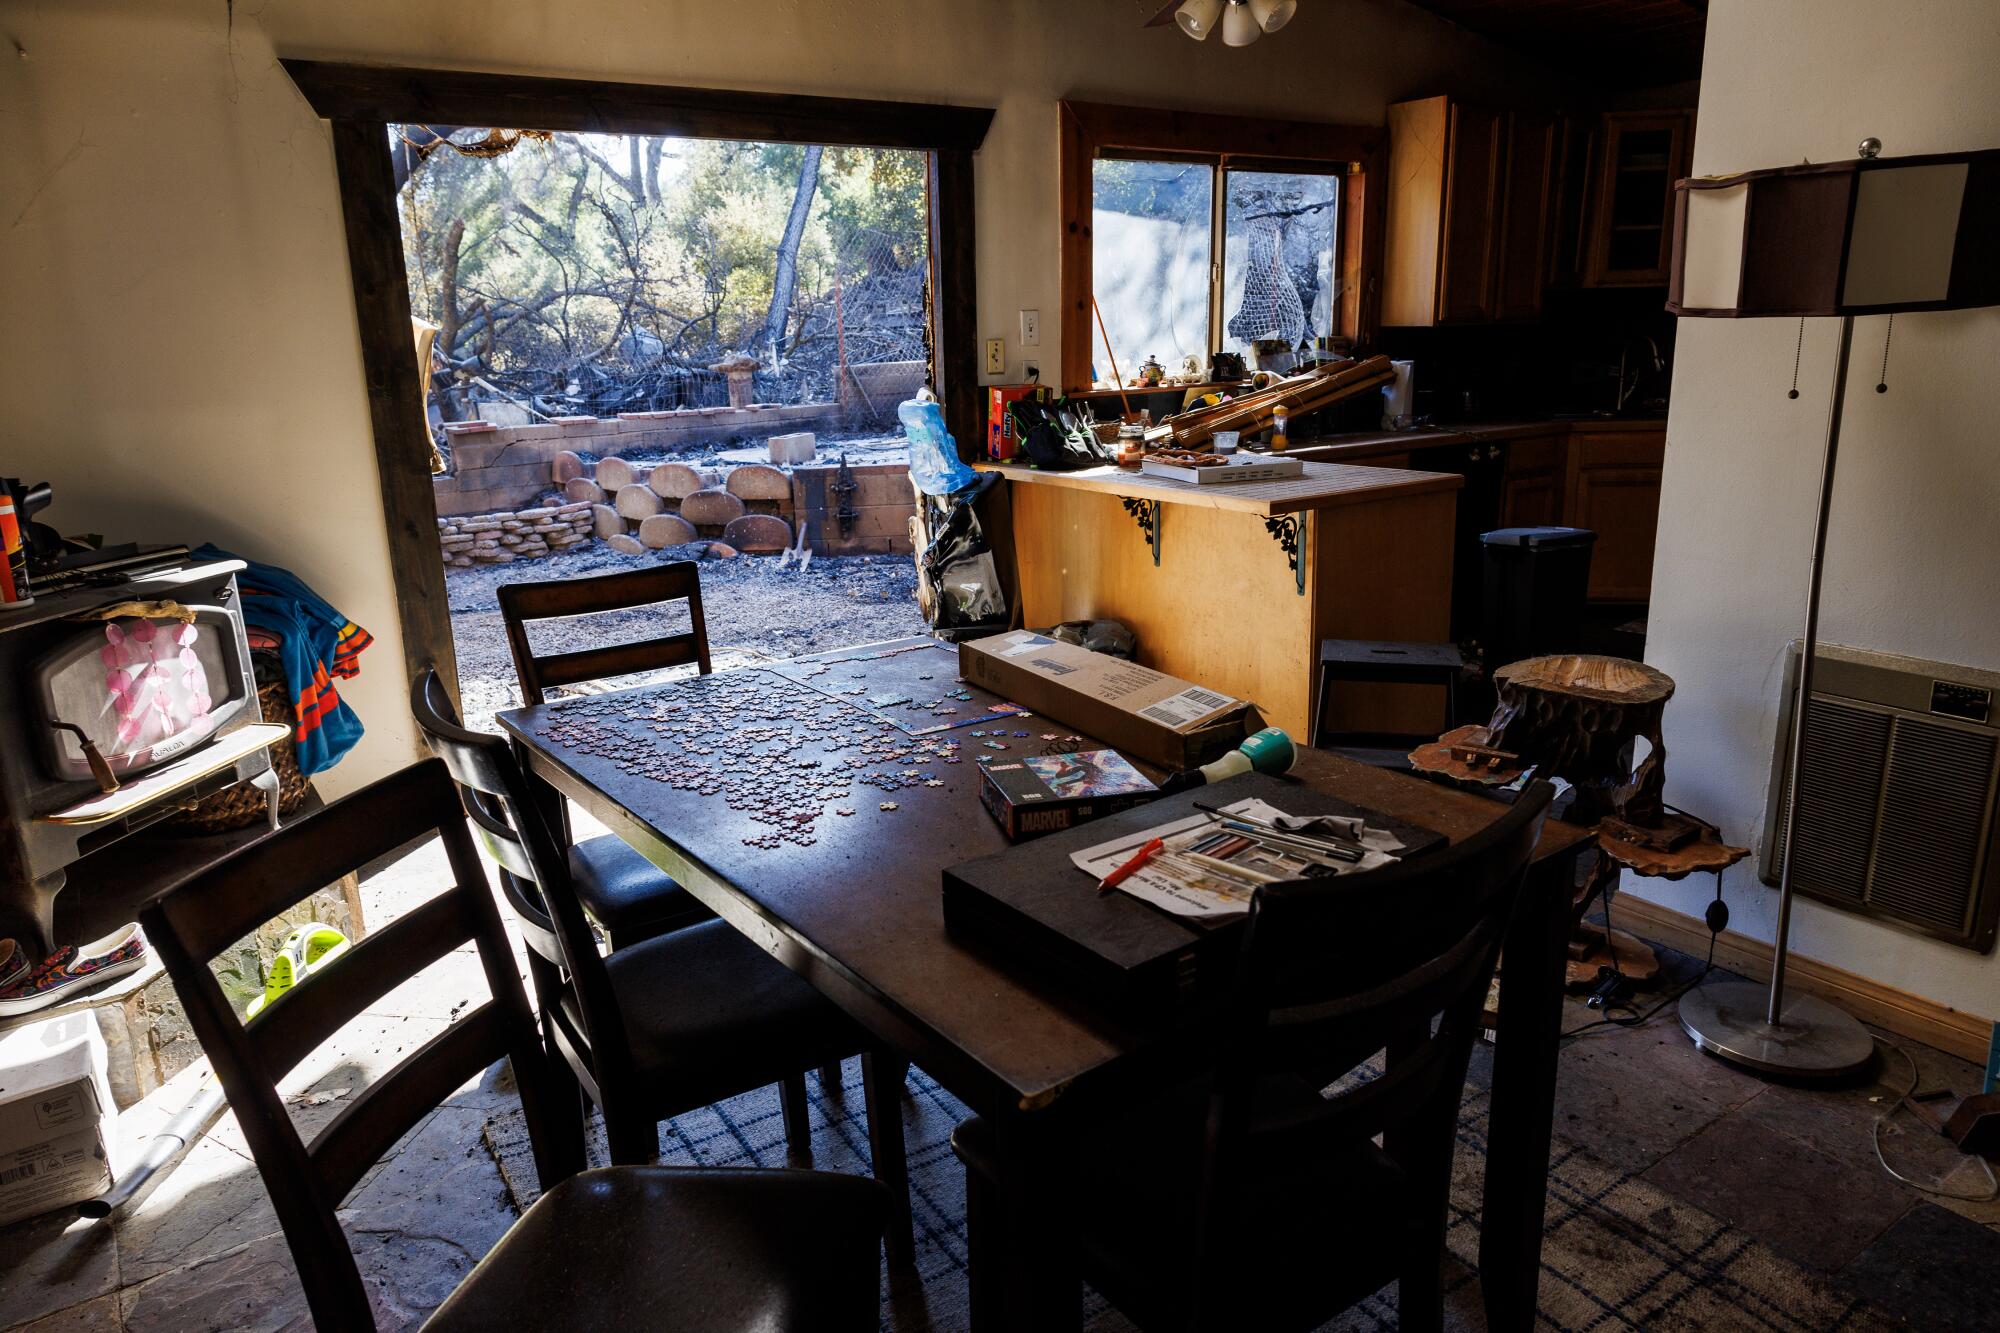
[[1535, 584]]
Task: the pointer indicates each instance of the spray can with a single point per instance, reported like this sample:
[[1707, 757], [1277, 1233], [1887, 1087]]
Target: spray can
[[14, 580]]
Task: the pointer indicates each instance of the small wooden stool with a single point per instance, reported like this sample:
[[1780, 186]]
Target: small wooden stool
[[1384, 662]]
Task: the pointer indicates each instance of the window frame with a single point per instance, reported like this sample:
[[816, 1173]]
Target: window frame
[[1088, 131]]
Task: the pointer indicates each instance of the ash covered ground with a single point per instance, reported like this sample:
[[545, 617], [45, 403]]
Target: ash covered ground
[[755, 611]]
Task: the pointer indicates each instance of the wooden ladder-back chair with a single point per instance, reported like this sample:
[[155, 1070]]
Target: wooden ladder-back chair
[[672, 1023], [713, 1248], [629, 896], [1257, 1197]]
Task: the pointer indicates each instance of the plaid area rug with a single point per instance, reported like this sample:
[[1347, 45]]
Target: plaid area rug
[[1618, 1255]]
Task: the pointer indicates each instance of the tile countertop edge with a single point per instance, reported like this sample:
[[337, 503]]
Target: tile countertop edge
[[1337, 490]]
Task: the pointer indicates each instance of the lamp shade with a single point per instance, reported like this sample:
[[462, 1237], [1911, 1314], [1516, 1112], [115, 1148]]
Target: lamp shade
[[1874, 235], [1197, 18], [1272, 15], [1239, 25]]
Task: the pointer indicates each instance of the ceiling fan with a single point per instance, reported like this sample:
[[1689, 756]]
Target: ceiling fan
[[1242, 21]]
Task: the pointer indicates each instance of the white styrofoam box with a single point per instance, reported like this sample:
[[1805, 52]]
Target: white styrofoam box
[[57, 1119]]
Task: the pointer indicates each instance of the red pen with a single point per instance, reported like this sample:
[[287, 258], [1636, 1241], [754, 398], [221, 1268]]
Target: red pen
[[1126, 871]]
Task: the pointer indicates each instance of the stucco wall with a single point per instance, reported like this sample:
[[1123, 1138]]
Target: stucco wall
[[1914, 544], [180, 344]]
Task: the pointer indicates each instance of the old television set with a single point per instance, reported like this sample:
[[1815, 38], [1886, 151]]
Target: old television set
[[144, 690]]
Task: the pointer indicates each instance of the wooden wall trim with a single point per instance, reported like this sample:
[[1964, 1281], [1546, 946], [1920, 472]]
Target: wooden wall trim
[[1087, 130], [395, 397], [1952, 1030], [955, 300], [394, 94]]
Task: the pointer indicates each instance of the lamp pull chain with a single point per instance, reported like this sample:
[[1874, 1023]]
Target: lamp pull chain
[[1796, 353], [1882, 384]]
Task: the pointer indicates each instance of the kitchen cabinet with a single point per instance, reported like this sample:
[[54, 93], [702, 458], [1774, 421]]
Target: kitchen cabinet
[[1468, 216], [1612, 487], [1533, 485], [1639, 157]]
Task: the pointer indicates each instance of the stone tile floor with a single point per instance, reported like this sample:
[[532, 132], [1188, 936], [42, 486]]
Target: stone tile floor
[[1791, 1165]]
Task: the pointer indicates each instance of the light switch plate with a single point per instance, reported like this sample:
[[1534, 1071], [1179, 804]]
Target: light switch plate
[[1031, 328], [996, 356]]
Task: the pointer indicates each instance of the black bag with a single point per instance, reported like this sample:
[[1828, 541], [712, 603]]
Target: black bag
[[1057, 436]]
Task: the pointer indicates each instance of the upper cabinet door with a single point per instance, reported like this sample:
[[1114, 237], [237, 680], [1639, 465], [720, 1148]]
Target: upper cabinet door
[[1642, 154], [1476, 151], [1527, 199]]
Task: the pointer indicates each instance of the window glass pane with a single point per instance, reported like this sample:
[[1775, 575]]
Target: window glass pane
[[1279, 229], [1151, 225]]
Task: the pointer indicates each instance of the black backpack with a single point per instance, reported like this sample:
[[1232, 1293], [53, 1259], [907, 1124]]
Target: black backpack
[[1057, 436]]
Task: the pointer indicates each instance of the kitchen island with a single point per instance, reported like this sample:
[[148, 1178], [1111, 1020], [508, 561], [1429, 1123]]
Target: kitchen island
[[1234, 585]]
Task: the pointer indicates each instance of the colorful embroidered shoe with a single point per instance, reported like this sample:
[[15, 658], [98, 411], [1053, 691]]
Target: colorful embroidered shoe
[[13, 964], [73, 969], [301, 952]]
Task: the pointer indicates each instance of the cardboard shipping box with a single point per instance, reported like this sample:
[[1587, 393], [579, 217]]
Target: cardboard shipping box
[[57, 1119], [1145, 713]]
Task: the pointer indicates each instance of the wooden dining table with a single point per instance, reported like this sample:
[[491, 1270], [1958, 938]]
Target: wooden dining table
[[732, 784]]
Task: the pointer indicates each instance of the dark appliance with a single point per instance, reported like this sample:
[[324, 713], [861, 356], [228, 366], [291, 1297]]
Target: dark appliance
[[1535, 583]]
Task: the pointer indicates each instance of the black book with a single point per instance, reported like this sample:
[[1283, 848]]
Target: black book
[[1030, 905]]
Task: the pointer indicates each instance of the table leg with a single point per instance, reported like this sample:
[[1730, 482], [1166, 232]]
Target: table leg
[[1023, 1278], [1522, 1106]]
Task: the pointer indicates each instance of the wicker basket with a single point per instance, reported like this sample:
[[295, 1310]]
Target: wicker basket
[[243, 805]]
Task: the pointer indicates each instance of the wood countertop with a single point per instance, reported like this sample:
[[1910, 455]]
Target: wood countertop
[[1324, 486]]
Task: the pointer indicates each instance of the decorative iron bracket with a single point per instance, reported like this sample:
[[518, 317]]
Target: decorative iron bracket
[[1289, 531], [1146, 513]]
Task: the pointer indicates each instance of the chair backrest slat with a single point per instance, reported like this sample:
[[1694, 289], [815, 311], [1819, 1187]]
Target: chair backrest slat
[[618, 659], [521, 603], [284, 1034], [355, 1139], [209, 911], [270, 870]]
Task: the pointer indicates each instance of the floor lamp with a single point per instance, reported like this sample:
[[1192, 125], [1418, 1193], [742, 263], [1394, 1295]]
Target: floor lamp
[[1875, 235]]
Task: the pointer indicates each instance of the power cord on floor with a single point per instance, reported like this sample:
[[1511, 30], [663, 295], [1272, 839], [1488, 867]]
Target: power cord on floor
[[1875, 1137], [1716, 918]]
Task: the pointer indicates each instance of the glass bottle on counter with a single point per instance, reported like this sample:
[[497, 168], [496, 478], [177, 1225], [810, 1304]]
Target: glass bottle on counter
[[1281, 420]]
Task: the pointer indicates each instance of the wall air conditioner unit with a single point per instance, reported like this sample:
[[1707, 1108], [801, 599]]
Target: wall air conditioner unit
[[1897, 820]]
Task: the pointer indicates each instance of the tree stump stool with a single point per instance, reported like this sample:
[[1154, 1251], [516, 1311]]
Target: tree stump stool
[[1577, 717]]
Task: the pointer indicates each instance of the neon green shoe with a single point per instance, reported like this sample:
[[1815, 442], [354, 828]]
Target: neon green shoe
[[302, 952]]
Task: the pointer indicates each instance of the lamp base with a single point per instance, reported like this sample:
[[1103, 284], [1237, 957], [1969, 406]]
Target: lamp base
[[1812, 1039]]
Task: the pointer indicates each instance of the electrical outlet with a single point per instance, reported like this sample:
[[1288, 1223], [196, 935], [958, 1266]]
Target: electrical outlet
[[1031, 328], [996, 356]]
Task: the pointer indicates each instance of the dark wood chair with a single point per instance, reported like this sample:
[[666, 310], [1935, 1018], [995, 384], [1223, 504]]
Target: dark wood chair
[[629, 896], [672, 1023], [1258, 1197], [696, 1249]]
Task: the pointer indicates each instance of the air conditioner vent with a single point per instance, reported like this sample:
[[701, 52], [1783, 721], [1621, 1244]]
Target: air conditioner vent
[[1896, 819]]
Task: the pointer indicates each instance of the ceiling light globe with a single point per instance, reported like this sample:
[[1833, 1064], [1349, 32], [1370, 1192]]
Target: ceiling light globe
[[1197, 18], [1239, 25], [1272, 15]]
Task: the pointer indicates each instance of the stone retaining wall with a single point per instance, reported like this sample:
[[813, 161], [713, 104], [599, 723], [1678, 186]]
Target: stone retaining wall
[[499, 539]]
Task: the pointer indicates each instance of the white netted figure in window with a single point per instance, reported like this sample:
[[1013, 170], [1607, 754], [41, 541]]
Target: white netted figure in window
[[1270, 307], [1279, 237]]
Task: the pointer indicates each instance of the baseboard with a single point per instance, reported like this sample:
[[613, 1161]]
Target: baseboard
[[1967, 1036]]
